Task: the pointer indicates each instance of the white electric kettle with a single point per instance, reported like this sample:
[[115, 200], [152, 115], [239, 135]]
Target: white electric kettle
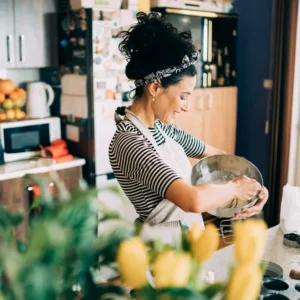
[[40, 96]]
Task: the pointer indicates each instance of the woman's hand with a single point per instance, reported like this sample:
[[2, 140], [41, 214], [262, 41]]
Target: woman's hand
[[245, 188], [257, 208]]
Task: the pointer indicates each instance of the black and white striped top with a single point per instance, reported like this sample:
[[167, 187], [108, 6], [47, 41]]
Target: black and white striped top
[[142, 174]]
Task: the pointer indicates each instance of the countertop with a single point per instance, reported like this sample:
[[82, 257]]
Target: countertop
[[275, 252], [34, 166]]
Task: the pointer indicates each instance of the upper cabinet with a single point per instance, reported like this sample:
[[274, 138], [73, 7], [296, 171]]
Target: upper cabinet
[[7, 34], [25, 33]]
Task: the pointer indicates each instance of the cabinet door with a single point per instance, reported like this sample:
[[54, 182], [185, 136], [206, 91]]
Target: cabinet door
[[220, 121], [7, 48], [28, 33], [193, 121]]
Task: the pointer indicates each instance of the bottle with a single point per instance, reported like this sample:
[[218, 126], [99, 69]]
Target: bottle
[[227, 67], [220, 69], [213, 65]]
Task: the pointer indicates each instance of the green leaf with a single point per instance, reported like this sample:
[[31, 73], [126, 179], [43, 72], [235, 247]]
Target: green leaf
[[179, 294], [40, 282], [212, 290], [36, 203]]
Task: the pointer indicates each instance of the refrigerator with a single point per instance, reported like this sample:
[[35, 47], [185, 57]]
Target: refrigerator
[[215, 34], [92, 85]]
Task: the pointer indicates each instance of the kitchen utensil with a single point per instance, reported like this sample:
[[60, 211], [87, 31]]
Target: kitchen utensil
[[220, 169], [273, 271], [38, 103], [292, 240]]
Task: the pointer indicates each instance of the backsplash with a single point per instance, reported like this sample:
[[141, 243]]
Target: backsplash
[[20, 76]]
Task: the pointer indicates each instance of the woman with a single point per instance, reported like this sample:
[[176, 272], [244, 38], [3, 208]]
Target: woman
[[147, 153]]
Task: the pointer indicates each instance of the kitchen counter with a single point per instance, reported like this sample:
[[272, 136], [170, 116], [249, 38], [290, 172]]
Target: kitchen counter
[[275, 252], [33, 166]]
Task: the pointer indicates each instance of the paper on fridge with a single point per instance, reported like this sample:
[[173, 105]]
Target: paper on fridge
[[75, 106], [290, 209]]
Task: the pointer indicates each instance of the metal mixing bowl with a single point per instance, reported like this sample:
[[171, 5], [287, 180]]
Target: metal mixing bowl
[[220, 169]]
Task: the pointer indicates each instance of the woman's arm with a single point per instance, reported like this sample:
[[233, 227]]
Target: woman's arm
[[210, 150], [205, 197]]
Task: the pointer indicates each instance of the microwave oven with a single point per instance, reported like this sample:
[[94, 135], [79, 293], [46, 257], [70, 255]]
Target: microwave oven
[[22, 139]]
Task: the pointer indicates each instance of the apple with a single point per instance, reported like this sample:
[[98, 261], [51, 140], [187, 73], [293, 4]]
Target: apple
[[18, 103], [10, 114], [7, 104], [19, 114]]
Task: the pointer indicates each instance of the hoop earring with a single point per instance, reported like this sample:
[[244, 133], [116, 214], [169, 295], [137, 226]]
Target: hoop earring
[[153, 99]]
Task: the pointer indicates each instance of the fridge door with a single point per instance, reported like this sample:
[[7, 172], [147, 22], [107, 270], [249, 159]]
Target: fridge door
[[105, 128], [111, 193]]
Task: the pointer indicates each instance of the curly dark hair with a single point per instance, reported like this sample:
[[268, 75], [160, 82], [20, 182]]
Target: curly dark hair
[[154, 44]]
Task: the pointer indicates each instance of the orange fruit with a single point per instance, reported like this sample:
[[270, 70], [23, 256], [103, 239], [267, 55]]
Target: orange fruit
[[21, 92], [2, 117], [2, 97], [6, 86], [14, 96]]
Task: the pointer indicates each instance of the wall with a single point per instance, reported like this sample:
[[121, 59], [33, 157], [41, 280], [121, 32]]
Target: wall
[[294, 155], [20, 76], [253, 66]]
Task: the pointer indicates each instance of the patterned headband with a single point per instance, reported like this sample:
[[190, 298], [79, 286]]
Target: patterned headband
[[186, 62]]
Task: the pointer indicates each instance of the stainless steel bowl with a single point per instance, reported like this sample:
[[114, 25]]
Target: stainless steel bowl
[[220, 169]]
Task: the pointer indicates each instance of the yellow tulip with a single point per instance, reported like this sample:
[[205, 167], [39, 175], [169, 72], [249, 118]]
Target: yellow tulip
[[250, 240], [194, 233], [171, 269], [133, 262], [208, 242], [245, 283]]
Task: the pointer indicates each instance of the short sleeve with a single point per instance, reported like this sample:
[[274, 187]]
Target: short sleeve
[[192, 146], [132, 155]]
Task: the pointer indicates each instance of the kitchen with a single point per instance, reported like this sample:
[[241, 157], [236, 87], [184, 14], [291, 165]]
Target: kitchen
[[71, 59]]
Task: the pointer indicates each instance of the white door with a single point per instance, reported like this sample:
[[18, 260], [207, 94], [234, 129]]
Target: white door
[[112, 195]]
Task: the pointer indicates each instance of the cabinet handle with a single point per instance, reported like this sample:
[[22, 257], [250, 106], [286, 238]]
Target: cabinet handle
[[8, 47], [199, 103], [21, 47], [210, 101]]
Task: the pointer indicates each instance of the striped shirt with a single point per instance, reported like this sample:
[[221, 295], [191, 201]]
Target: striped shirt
[[142, 174]]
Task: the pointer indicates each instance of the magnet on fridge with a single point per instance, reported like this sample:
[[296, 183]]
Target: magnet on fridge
[[97, 60], [64, 24], [82, 13], [105, 51], [71, 24], [73, 41], [97, 50], [64, 42], [83, 25], [81, 41], [115, 57], [77, 70], [97, 41], [79, 53]]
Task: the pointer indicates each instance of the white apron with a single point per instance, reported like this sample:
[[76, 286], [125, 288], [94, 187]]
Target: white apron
[[166, 215]]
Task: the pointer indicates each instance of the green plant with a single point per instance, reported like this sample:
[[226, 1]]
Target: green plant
[[57, 260], [63, 254]]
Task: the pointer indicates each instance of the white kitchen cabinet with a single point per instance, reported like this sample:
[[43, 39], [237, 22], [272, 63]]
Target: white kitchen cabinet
[[7, 34], [24, 33]]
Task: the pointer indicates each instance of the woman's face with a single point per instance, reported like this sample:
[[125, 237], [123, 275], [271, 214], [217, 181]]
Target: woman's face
[[173, 100]]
